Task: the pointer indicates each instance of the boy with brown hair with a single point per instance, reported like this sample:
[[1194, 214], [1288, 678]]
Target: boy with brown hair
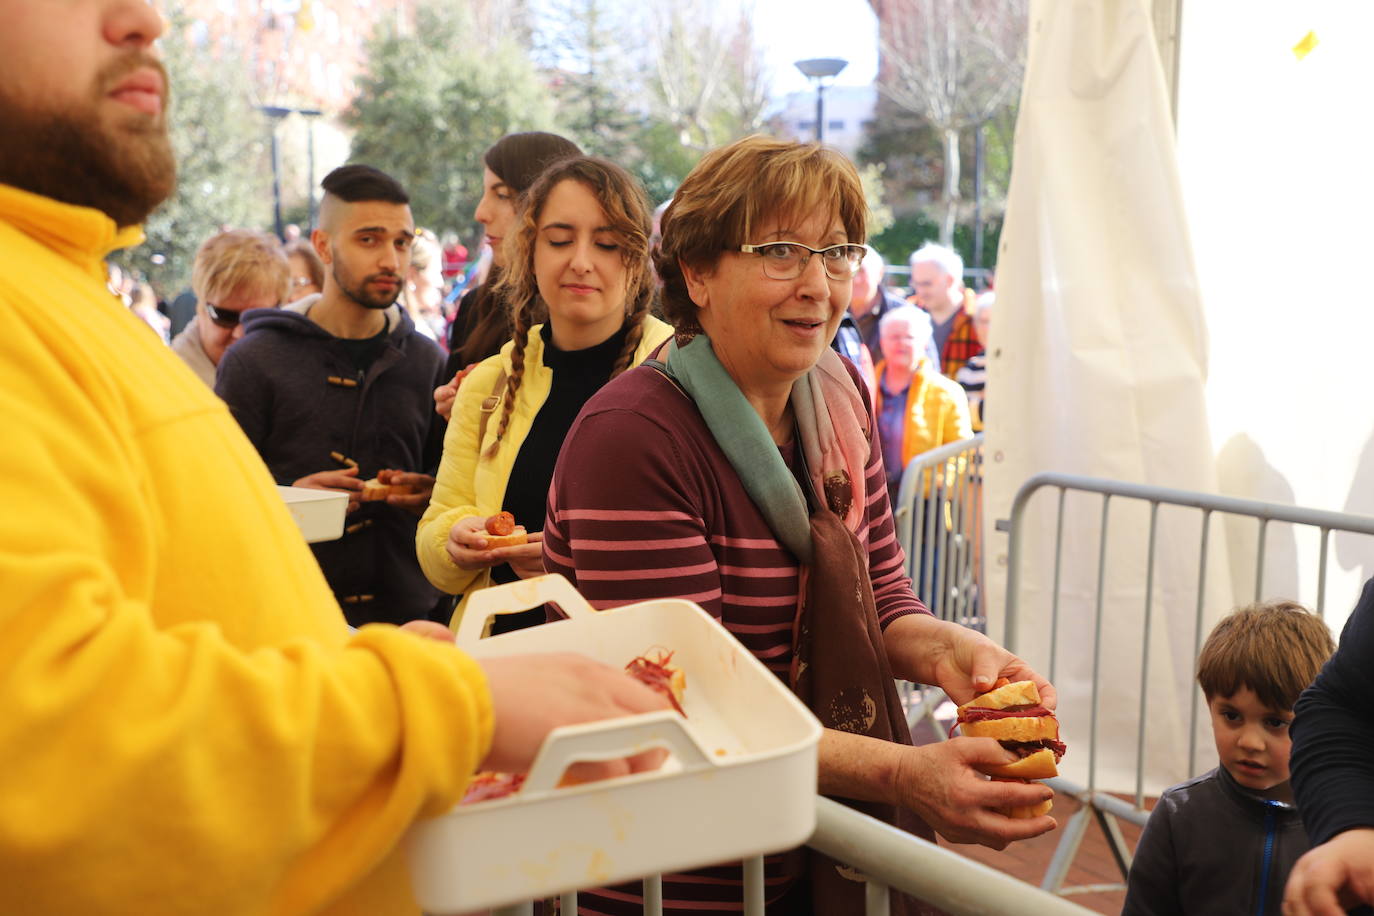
[[1224, 842]]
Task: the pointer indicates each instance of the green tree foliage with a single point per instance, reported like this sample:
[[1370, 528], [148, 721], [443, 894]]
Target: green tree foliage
[[907, 233], [582, 47], [432, 102], [223, 175]]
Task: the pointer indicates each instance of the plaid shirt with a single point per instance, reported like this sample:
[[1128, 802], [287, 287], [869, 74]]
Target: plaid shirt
[[962, 343]]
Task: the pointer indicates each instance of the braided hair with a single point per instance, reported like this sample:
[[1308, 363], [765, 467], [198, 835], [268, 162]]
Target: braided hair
[[627, 212]]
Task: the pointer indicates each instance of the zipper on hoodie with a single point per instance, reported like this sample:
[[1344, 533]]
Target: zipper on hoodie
[[1270, 829]]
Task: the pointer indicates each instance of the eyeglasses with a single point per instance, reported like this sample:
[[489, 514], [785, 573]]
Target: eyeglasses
[[787, 260], [225, 318]]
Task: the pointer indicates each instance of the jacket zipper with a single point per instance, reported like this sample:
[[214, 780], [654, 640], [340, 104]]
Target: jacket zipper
[[1270, 825]]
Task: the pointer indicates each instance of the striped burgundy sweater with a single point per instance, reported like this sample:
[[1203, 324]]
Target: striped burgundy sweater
[[644, 505]]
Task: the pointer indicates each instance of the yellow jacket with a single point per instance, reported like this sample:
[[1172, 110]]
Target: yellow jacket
[[936, 411], [186, 724], [472, 483]]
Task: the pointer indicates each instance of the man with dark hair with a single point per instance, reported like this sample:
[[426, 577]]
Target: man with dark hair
[[336, 388]]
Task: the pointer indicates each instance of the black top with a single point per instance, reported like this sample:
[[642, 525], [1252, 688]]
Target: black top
[[1333, 733], [363, 353], [577, 375]]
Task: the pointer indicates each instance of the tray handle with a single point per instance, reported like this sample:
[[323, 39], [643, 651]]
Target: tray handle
[[612, 740], [513, 597]]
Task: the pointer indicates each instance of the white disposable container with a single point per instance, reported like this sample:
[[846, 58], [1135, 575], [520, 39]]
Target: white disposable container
[[319, 513], [740, 781]]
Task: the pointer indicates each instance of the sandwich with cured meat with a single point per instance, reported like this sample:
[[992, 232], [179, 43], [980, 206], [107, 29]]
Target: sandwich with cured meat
[[1012, 714], [501, 531]]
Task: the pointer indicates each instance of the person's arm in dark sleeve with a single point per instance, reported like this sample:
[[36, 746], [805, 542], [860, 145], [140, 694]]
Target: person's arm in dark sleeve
[[1333, 734], [249, 396]]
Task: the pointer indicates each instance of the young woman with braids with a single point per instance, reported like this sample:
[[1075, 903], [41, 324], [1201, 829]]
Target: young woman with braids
[[579, 253], [482, 324]]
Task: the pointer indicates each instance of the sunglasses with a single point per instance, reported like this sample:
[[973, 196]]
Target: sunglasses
[[225, 318]]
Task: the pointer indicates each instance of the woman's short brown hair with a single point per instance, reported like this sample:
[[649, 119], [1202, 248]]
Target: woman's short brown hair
[[737, 188], [1274, 648], [240, 260]]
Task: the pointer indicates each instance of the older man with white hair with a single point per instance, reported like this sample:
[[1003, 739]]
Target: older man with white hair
[[871, 300], [937, 284]]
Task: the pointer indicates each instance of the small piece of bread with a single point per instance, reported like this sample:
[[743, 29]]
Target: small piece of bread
[[374, 490], [1023, 811], [518, 536], [1039, 765], [1014, 728], [1016, 693]]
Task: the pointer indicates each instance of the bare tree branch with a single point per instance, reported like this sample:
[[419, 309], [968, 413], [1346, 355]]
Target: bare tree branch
[[955, 63]]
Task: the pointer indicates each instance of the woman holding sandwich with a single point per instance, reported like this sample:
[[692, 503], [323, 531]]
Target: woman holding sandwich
[[740, 471], [578, 252]]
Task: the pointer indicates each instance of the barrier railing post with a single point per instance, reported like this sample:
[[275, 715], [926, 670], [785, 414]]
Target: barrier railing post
[[1106, 809]]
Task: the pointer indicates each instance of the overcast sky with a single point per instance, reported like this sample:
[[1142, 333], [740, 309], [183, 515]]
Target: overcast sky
[[793, 30]]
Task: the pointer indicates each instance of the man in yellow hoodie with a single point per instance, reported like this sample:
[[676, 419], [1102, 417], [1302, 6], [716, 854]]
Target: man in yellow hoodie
[[186, 723]]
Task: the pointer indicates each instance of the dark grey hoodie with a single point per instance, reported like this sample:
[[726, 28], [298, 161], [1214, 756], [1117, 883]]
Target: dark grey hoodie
[[296, 392]]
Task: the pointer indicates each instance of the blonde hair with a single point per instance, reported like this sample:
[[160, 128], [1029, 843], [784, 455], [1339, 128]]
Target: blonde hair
[[240, 260], [424, 250], [738, 188], [627, 212], [301, 248], [1275, 648]]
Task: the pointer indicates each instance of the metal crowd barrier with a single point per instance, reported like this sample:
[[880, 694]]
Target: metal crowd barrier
[[1106, 809], [890, 858], [939, 520]]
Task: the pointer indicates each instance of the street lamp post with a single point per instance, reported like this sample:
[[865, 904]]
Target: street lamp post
[[817, 70], [278, 113]]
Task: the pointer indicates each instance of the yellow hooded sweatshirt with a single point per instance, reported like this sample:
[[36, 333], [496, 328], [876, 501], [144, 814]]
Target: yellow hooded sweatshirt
[[186, 724]]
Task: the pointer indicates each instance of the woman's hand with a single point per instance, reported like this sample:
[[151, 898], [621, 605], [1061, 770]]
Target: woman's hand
[[939, 782], [1332, 877], [467, 545], [958, 660], [527, 560]]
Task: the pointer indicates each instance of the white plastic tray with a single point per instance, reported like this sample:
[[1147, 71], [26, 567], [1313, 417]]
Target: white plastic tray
[[318, 513], [740, 780]]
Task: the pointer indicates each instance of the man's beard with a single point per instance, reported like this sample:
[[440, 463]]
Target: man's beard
[[75, 156], [360, 293]]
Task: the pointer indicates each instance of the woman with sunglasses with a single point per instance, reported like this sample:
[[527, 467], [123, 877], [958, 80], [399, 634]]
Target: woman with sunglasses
[[233, 271], [743, 473], [578, 254]]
